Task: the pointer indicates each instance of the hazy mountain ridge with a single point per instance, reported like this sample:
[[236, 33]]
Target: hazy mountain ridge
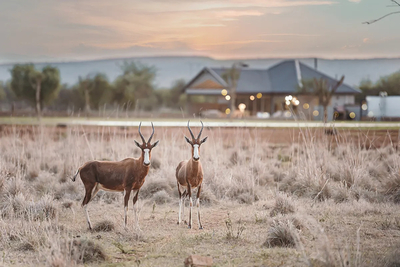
[[170, 68]]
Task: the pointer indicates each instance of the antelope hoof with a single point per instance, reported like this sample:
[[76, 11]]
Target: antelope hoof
[[178, 223], [201, 227], [185, 222], [189, 226]]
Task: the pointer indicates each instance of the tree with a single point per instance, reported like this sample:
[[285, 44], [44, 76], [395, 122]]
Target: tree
[[38, 87], [2, 91], [367, 87], [389, 84], [135, 83], [176, 92], [68, 98], [397, 4], [95, 89], [231, 77], [323, 90]]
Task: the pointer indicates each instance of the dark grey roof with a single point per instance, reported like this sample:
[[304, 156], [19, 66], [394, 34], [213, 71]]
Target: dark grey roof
[[310, 73], [280, 78], [283, 77], [250, 80]]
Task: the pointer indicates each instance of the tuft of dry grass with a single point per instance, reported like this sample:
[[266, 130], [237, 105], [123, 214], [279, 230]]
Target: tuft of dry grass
[[86, 251], [283, 205], [393, 258], [161, 197], [104, 226], [281, 233]]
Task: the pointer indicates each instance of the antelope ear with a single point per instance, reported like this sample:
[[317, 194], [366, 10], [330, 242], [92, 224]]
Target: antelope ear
[[187, 140], [137, 144], [205, 139], [155, 144]]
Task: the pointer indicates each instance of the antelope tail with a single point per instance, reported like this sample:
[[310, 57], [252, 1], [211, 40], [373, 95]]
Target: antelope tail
[[76, 174]]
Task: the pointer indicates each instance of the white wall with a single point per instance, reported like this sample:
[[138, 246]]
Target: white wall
[[341, 100], [388, 106]]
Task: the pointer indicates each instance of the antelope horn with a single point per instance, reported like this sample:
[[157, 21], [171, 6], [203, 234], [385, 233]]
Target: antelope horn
[[202, 126], [141, 136], [151, 136], [191, 131]]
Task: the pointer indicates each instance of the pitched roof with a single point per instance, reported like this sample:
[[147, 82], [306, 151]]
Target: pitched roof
[[250, 80], [283, 77]]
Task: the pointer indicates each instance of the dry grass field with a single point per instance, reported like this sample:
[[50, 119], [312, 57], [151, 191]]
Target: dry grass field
[[273, 197]]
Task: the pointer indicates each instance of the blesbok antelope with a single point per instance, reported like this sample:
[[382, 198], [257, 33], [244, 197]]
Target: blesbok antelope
[[117, 176], [189, 175]]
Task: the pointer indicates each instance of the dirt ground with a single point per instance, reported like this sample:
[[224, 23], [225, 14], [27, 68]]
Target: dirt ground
[[161, 242]]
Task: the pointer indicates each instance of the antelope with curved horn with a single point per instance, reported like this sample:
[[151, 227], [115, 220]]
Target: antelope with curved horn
[[117, 176], [189, 175]]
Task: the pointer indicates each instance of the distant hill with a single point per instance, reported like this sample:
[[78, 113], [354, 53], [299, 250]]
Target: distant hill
[[170, 69]]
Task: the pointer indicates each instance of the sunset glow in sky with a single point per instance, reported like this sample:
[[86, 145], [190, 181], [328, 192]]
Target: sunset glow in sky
[[74, 29]]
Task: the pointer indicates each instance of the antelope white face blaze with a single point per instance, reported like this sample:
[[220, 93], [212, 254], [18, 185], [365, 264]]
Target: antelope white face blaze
[[146, 160], [196, 155]]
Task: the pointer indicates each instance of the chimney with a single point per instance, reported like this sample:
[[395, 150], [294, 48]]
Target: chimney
[[315, 63]]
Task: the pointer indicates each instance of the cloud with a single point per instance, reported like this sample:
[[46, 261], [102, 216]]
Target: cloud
[[220, 28], [355, 1]]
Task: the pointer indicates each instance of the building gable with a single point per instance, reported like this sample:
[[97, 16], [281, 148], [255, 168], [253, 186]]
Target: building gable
[[206, 82]]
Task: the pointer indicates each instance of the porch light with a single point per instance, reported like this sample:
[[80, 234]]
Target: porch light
[[364, 107], [224, 92], [228, 97], [336, 114], [295, 101], [287, 102], [259, 95], [306, 106], [352, 115], [288, 98], [252, 97], [242, 107], [227, 111], [315, 113]]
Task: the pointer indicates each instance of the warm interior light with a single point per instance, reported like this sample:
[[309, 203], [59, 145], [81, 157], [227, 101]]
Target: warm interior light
[[352, 115], [228, 97], [252, 97], [315, 113], [227, 111], [306, 106], [259, 95], [364, 107], [336, 114], [242, 107], [224, 92]]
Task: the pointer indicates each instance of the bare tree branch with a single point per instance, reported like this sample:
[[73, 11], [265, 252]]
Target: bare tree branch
[[375, 20], [397, 3]]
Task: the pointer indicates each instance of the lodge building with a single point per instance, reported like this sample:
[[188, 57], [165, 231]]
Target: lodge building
[[270, 90]]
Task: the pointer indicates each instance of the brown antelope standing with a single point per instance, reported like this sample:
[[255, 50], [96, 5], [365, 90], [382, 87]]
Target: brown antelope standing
[[189, 175], [117, 176]]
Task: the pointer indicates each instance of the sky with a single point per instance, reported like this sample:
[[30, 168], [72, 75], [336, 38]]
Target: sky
[[69, 30]]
